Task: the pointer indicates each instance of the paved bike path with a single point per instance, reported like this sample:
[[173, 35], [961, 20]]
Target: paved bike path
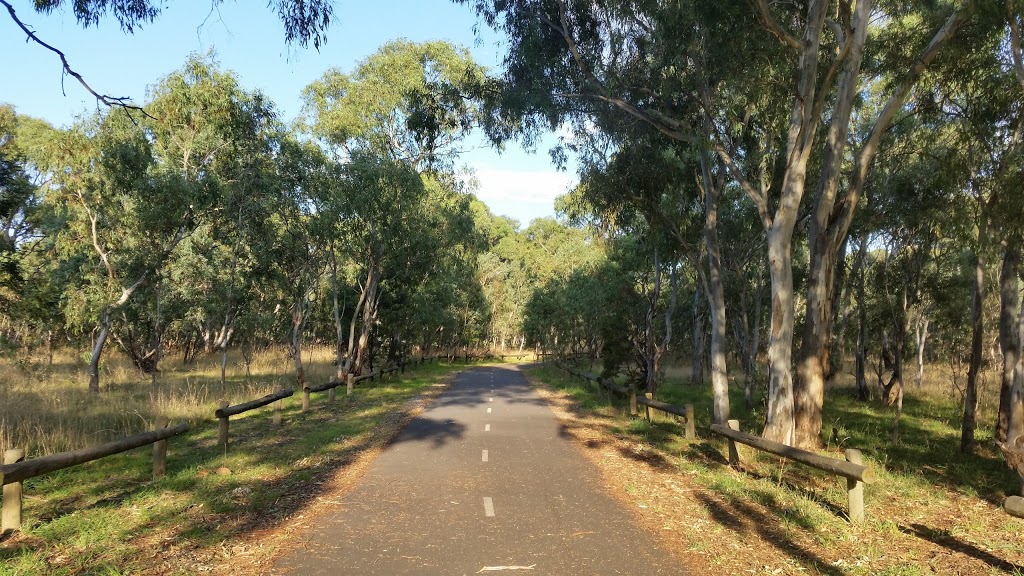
[[483, 481]]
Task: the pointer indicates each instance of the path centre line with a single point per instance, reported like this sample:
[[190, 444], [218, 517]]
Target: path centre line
[[487, 428], [488, 410], [484, 456], [488, 507]]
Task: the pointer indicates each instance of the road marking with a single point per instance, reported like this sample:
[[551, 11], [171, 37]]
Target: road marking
[[484, 457], [490, 399], [488, 507], [488, 410], [487, 428], [496, 568]]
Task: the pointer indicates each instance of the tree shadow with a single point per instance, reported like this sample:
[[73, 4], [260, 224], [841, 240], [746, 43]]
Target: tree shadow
[[438, 432], [745, 519], [948, 541]]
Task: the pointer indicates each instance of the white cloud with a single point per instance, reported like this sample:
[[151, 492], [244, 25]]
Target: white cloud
[[523, 195]]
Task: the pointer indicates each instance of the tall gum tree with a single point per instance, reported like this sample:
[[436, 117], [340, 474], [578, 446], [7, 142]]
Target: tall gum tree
[[822, 43]]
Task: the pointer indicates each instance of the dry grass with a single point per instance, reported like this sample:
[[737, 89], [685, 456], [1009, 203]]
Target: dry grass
[[48, 408]]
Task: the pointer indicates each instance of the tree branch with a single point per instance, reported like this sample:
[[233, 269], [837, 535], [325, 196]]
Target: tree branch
[[107, 100], [774, 27]]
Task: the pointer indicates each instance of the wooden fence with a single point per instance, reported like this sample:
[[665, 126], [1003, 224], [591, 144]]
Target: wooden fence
[[852, 468], [16, 469], [685, 413], [855, 472]]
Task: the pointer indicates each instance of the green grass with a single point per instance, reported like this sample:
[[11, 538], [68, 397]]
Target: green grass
[[110, 517]]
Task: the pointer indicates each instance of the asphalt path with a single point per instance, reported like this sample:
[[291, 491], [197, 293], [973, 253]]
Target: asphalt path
[[482, 482]]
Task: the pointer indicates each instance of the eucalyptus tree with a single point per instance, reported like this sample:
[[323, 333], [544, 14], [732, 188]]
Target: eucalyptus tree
[[18, 200], [129, 193], [403, 111], [411, 101], [741, 62], [980, 96], [647, 183]]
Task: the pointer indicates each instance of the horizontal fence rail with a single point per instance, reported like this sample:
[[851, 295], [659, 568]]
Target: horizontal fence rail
[[835, 466], [228, 411], [685, 413], [16, 469]]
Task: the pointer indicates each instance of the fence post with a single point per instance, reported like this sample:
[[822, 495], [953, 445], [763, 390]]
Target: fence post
[[632, 400], [734, 455], [855, 488], [276, 419], [160, 450], [647, 409], [330, 394], [10, 517], [691, 429], [222, 428], [350, 381]]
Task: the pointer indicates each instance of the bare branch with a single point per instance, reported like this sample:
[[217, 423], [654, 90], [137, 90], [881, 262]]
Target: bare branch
[[123, 102]]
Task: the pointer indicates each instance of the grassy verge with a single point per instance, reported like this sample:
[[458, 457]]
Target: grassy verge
[[932, 510], [110, 517]]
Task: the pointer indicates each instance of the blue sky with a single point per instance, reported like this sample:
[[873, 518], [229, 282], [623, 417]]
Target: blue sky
[[249, 39]]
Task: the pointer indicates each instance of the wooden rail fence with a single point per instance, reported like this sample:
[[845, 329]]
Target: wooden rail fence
[[225, 412], [855, 472], [852, 468], [685, 413], [16, 469]]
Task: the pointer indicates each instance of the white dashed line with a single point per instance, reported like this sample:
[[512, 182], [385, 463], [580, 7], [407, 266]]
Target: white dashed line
[[488, 507], [490, 399], [488, 410], [487, 428], [483, 458]]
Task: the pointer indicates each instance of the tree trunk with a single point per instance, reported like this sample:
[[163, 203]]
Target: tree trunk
[[1015, 427], [697, 366], [970, 422], [649, 346], [719, 374], [157, 336], [350, 357], [97, 352], [921, 330], [362, 351], [101, 339], [1009, 304], [339, 327], [298, 329], [780, 423]]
